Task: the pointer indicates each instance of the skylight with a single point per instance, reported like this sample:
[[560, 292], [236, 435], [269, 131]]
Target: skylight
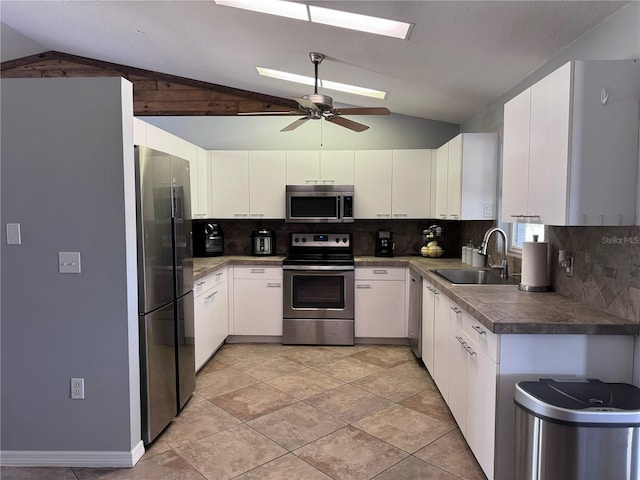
[[325, 16], [340, 87]]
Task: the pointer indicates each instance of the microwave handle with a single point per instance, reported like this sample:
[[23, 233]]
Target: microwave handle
[[340, 207]]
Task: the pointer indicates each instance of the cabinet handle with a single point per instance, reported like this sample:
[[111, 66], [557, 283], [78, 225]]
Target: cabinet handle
[[461, 340], [443, 215], [380, 272], [454, 215], [311, 180], [400, 214], [210, 296], [383, 215], [219, 273], [240, 214], [456, 310], [273, 285], [199, 284], [329, 180], [257, 214], [468, 348], [257, 270], [363, 285], [478, 329]]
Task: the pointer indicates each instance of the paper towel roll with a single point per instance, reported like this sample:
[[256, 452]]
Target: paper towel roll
[[534, 264]]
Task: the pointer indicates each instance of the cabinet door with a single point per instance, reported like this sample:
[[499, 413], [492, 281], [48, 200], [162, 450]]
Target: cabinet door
[[515, 157], [200, 178], [337, 167], [257, 307], [205, 323], [230, 184], [441, 349], [380, 309], [220, 311], [267, 184], [457, 399], [454, 178], [481, 408], [549, 146], [303, 167], [372, 184], [411, 185], [442, 168], [479, 176], [429, 298]]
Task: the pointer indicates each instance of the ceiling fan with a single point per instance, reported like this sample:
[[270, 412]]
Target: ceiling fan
[[316, 106]]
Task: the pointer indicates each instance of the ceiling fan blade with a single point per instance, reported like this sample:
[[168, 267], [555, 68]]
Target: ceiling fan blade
[[361, 111], [345, 122], [294, 125], [306, 104]]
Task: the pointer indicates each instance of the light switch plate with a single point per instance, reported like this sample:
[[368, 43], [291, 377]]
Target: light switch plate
[[13, 234], [488, 210], [69, 262]]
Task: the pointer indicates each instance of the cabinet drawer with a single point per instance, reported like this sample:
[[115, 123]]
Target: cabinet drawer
[[209, 281], [380, 273], [256, 272], [482, 337]]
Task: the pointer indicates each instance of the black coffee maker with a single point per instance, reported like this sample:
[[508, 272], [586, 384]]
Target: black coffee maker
[[384, 243], [208, 239]]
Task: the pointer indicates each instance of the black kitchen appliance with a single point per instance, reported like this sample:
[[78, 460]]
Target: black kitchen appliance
[[263, 242], [208, 239], [384, 243]]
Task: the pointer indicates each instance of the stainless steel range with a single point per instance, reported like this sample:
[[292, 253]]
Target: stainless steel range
[[319, 290]]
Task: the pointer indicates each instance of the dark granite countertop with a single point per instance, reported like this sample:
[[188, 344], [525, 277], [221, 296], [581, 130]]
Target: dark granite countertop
[[502, 309]]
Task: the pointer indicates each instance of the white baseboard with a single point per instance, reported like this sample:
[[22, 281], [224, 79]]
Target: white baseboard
[[32, 458]]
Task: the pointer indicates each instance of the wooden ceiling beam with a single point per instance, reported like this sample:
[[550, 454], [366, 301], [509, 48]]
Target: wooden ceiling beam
[[154, 93]]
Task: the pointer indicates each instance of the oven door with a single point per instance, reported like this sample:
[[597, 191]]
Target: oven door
[[318, 293]]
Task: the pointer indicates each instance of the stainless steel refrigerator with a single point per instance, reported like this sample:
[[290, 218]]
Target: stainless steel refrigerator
[[165, 287]]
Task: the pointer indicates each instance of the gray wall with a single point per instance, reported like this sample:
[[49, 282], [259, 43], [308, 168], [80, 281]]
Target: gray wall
[[67, 178], [263, 133]]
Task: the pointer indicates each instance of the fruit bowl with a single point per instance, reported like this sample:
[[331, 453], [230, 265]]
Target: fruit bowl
[[432, 250]]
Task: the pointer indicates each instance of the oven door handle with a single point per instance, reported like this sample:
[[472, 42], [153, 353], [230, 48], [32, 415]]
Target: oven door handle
[[313, 268]]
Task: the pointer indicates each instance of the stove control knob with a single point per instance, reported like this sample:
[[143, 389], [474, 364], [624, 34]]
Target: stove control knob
[[344, 240], [296, 239], [304, 239], [337, 240]]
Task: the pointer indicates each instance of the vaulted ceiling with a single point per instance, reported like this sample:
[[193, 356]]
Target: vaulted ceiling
[[460, 56]]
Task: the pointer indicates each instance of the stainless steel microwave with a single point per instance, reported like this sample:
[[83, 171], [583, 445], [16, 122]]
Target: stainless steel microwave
[[319, 203]]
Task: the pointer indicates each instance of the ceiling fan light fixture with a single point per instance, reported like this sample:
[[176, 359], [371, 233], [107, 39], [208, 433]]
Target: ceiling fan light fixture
[[362, 23], [271, 7]]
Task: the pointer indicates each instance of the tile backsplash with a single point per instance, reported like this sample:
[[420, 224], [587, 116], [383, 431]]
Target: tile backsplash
[[406, 233], [606, 271]]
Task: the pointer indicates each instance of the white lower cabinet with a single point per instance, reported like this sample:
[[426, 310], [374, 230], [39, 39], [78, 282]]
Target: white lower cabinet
[[476, 372], [430, 299], [380, 302], [211, 324], [257, 301]]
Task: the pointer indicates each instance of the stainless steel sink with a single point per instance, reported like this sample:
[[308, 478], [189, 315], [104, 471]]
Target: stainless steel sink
[[474, 277]]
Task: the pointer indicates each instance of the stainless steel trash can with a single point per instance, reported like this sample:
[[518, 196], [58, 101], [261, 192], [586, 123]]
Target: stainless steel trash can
[[577, 429]]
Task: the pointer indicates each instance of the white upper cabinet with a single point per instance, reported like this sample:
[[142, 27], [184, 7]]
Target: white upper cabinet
[[337, 167], [372, 184], [200, 191], [571, 146], [466, 177], [230, 184], [247, 184], [411, 184], [328, 167], [303, 167], [266, 184]]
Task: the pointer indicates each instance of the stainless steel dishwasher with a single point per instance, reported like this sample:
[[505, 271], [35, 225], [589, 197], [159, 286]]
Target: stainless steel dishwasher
[[415, 313]]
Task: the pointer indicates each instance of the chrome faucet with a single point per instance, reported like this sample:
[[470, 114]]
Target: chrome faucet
[[483, 250]]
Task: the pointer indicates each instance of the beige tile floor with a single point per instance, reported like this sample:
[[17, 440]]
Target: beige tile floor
[[263, 412]]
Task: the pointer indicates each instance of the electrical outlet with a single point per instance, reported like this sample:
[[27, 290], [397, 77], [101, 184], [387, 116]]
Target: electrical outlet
[[77, 388], [488, 210]]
